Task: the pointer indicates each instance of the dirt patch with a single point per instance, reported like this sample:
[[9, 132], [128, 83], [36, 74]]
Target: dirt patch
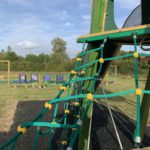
[[8, 112]]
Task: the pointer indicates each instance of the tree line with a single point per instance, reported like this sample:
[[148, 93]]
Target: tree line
[[125, 66], [59, 61]]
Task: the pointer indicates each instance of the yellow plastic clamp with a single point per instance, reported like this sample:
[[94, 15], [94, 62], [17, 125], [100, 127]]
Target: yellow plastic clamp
[[53, 122], [73, 129], [90, 96], [63, 88], [64, 142], [138, 91], [67, 111], [23, 130], [73, 72], [79, 59], [101, 60], [136, 55], [47, 105], [76, 103], [82, 72], [78, 116]]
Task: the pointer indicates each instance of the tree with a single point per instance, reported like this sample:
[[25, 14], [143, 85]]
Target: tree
[[43, 58], [59, 45], [59, 49], [2, 54], [9, 48], [71, 64], [31, 58], [11, 55]]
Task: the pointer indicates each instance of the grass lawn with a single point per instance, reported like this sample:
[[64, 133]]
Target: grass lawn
[[10, 97], [127, 103]]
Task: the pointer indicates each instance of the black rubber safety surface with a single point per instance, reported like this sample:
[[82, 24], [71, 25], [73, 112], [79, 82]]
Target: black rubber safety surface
[[102, 134]]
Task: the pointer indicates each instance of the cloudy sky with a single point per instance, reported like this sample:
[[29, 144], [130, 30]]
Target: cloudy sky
[[30, 25]]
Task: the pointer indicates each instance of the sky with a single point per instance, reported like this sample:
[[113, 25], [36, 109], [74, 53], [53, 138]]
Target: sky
[[28, 26]]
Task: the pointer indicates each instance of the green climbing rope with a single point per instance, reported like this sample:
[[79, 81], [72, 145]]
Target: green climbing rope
[[77, 81]]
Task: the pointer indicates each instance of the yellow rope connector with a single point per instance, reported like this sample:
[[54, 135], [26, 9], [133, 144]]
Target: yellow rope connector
[[82, 72], [78, 116], [76, 103], [73, 129], [136, 55], [101, 60], [64, 142], [79, 59], [23, 130], [90, 96], [73, 72], [67, 111], [48, 106], [63, 88], [53, 122], [138, 91]]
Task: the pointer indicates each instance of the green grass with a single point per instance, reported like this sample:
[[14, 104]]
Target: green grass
[[26, 94], [125, 104]]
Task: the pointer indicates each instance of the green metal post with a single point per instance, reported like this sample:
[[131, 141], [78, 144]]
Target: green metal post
[[102, 12], [138, 114]]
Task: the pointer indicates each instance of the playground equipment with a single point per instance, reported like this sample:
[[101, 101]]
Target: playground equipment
[[47, 78], [34, 78], [22, 78], [37, 80], [59, 78], [24, 81], [8, 70], [103, 44]]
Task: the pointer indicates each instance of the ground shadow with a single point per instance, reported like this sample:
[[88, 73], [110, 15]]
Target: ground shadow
[[103, 135], [25, 112]]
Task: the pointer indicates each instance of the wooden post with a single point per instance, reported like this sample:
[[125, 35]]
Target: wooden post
[[116, 70], [107, 76], [8, 69], [8, 72]]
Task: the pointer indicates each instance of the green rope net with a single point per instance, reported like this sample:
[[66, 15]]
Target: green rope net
[[76, 85]]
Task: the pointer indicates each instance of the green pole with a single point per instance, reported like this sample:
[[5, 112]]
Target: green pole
[[102, 13], [137, 138]]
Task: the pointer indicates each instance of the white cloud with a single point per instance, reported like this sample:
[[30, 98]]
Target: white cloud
[[73, 47], [67, 24], [18, 2], [35, 28], [84, 4], [86, 17], [62, 15], [127, 4], [122, 10], [27, 44], [120, 21]]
